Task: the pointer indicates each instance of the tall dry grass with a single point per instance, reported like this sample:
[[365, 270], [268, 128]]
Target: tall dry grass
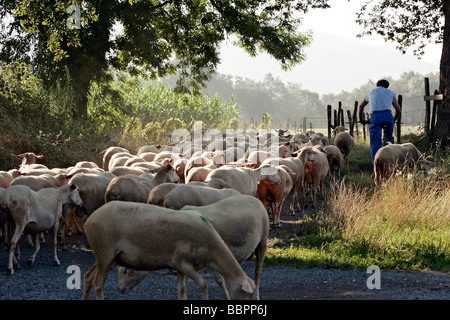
[[410, 211]]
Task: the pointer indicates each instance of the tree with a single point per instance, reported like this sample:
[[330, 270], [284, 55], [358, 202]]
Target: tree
[[413, 24], [159, 37]]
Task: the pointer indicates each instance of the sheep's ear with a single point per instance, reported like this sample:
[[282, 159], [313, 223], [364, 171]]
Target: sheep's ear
[[39, 156], [73, 187], [246, 287], [169, 167]]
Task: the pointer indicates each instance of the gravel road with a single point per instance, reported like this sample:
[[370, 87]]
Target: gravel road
[[43, 281]]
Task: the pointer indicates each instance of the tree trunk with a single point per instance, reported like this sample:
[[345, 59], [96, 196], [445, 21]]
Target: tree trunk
[[442, 128]]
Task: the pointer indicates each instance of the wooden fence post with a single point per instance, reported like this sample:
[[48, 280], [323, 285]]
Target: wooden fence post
[[433, 113], [355, 118], [427, 105], [399, 120], [329, 120], [350, 122]]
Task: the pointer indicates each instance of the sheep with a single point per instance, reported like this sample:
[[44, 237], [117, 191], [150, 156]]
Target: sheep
[[29, 162], [258, 157], [119, 159], [137, 188], [147, 156], [5, 179], [189, 194], [344, 141], [121, 171], [275, 194], [34, 212], [179, 166], [217, 159], [154, 238], [43, 181], [158, 193], [315, 172], [108, 153], [127, 188], [396, 156], [92, 189], [335, 160], [148, 148], [240, 214], [199, 173], [245, 180]]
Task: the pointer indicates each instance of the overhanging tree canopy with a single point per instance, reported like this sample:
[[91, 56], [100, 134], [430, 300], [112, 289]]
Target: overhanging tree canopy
[[158, 38]]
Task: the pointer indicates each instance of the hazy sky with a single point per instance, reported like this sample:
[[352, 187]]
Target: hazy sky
[[336, 60]]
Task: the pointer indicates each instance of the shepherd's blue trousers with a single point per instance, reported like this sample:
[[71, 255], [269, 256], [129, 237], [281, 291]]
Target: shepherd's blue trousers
[[380, 121]]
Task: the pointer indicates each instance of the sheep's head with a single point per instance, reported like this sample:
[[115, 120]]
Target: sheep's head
[[243, 290], [75, 196]]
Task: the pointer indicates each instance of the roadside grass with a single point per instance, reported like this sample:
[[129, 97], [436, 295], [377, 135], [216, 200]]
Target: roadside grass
[[405, 225]]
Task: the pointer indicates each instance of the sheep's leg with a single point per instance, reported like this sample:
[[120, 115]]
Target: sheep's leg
[[189, 271], [67, 209], [55, 244], [181, 286], [88, 280], [37, 246], [12, 246], [260, 254], [99, 280], [221, 282]]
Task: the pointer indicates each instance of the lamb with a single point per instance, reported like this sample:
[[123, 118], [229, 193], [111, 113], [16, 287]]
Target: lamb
[[315, 172], [274, 193], [189, 194], [154, 238], [245, 180], [344, 141], [396, 156], [228, 216], [35, 212]]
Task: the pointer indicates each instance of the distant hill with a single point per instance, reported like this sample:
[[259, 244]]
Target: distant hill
[[333, 64]]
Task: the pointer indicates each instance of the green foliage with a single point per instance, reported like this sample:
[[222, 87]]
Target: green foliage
[[141, 112], [147, 38]]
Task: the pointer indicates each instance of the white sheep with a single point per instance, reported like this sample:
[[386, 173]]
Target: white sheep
[[42, 181], [29, 162], [344, 141], [397, 156], [242, 223], [34, 212], [154, 238], [335, 160], [108, 153], [189, 194], [245, 180]]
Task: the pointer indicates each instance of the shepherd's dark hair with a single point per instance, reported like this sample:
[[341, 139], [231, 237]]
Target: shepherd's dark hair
[[383, 83]]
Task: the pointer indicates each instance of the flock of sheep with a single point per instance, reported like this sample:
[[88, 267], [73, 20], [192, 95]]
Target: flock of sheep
[[164, 209]]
